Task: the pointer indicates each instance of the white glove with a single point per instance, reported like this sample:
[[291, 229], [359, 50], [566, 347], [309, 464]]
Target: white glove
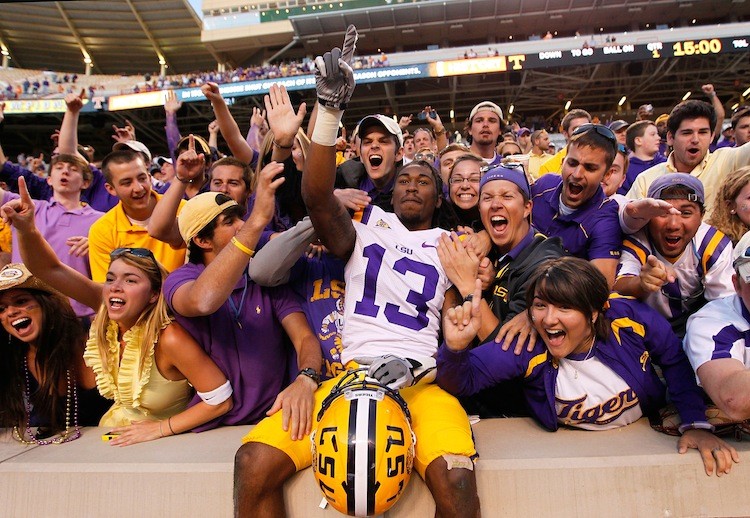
[[334, 78], [395, 372]]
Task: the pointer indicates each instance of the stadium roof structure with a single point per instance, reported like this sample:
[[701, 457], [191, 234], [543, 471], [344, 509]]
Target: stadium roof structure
[[119, 36]]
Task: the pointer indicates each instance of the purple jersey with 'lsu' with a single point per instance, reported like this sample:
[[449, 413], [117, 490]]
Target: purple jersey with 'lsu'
[[395, 287]]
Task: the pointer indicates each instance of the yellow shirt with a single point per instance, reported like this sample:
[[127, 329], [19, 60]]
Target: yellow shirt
[[535, 163], [114, 230], [138, 393], [554, 164], [711, 171]]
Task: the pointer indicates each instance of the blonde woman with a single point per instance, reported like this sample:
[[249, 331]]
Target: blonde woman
[[731, 208], [143, 361]]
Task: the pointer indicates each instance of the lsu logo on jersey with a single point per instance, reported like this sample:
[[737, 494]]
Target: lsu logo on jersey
[[572, 412], [502, 293]]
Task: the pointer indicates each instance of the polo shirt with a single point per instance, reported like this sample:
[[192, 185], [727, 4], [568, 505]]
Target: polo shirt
[[711, 171], [114, 230], [554, 164], [635, 167], [590, 232], [245, 339], [57, 224], [535, 163]]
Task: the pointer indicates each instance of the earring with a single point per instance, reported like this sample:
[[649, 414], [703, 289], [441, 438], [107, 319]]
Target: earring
[[732, 211]]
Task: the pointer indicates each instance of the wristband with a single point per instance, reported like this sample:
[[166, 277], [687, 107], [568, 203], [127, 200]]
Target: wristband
[[183, 180], [326, 126], [310, 373], [438, 133], [290, 146], [249, 251]]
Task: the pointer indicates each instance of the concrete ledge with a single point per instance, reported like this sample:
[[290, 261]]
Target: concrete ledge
[[523, 471]]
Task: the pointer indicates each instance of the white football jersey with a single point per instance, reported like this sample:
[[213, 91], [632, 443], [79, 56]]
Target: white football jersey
[[395, 287], [720, 329]]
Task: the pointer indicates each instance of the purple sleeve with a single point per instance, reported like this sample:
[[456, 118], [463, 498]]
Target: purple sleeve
[[176, 279], [666, 351], [467, 372], [285, 301], [38, 187], [605, 240], [96, 194], [173, 135]]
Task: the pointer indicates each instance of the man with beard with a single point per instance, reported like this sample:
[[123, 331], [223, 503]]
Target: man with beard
[[484, 129], [539, 152]]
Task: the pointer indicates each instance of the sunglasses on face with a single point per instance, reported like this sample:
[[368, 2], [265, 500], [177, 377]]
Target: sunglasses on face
[[599, 129], [427, 157]]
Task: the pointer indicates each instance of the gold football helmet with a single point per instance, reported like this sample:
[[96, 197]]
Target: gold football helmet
[[363, 446]]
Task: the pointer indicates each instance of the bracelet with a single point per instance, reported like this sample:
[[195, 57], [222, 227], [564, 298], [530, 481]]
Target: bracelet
[[161, 434], [169, 422], [182, 180], [280, 146], [438, 133], [249, 251]]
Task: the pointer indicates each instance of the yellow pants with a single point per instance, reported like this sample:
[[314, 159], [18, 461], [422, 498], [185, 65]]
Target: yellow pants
[[437, 419]]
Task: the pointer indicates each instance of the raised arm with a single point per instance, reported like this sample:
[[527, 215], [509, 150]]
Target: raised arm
[[708, 89], [163, 222], [171, 106], [39, 257], [228, 126], [334, 84], [282, 120], [68, 141], [215, 284]]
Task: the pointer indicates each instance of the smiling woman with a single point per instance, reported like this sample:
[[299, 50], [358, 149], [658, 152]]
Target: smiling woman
[[45, 388], [142, 360], [594, 368]]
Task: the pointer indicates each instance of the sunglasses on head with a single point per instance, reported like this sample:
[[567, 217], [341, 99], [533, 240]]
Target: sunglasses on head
[[741, 108], [137, 252], [599, 129], [509, 165]]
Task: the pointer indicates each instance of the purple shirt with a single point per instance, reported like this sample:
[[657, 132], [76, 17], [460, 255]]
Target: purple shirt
[[635, 167], [245, 340], [591, 232], [57, 224], [320, 283], [95, 195]]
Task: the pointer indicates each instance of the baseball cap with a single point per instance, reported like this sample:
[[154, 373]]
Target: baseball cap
[[678, 179], [506, 173], [161, 160], [16, 275], [524, 131], [134, 145], [618, 125], [661, 118], [201, 146], [646, 108], [486, 105], [201, 210], [390, 125], [741, 257]]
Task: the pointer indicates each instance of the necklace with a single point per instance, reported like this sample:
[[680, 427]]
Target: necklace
[[71, 400], [238, 310], [588, 355]]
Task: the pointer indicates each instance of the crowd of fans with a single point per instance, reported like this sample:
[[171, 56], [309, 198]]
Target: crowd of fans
[[624, 250]]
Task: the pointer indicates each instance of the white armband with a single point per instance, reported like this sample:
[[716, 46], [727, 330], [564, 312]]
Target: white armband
[[218, 395], [326, 126]]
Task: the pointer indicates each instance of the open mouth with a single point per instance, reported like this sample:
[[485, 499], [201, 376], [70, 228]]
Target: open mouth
[[555, 337], [672, 241], [21, 323], [376, 160], [498, 223], [116, 302], [466, 196], [575, 189]]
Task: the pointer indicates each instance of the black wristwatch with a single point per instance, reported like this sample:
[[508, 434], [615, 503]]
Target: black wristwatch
[[310, 373]]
